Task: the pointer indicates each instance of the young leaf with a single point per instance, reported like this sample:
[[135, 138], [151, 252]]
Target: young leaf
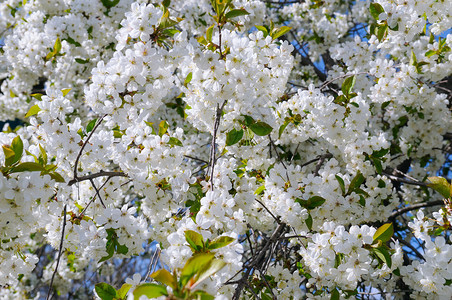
[[335, 295], [261, 128], [348, 85], [355, 183], [65, 91], [384, 233], [309, 222], [280, 32], [174, 142], [220, 242], [91, 125], [109, 3], [57, 177], [150, 290], [263, 29], [9, 155], [188, 79], [27, 166], [375, 10], [341, 183], [259, 190], [194, 239], [18, 147], [105, 291], [314, 201], [441, 185], [122, 292], [209, 33], [193, 265], [236, 13], [233, 136], [207, 270], [163, 128], [383, 255], [165, 277], [33, 111]]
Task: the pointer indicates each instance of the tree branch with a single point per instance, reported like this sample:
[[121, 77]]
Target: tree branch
[[413, 207]]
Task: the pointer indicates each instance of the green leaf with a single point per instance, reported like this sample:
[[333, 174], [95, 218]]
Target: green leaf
[[309, 222], [72, 41], [282, 127], [18, 147], [384, 233], [430, 53], [27, 167], [335, 295], [261, 128], [188, 79], [121, 249], [195, 240], [259, 190], [233, 137], [375, 10], [42, 155], [233, 13], [56, 176], [220, 242], [193, 265], [202, 295], [91, 125], [122, 292], [207, 270], [441, 185], [165, 277], [383, 255], [163, 128], [33, 111], [166, 3], [9, 155], [341, 183], [377, 163], [314, 201], [209, 33], [37, 96], [381, 31], [355, 183], [348, 85], [263, 29], [280, 32], [109, 3], [82, 61], [248, 120], [174, 142], [65, 92], [105, 291], [57, 46], [150, 290]]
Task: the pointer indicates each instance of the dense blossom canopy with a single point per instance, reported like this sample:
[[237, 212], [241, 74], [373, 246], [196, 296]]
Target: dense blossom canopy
[[226, 148]]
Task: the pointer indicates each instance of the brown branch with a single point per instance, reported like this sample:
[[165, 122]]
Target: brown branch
[[257, 260], [403, 180], [413, 207], [59, 253], [95, 175]]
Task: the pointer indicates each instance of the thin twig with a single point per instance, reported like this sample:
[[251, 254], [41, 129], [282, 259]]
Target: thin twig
[[95, 175], [152, 265], [273, 216], [97, 193], [216, 125], [402, 180], [59, 252], [84, 144], [413, 207], [198, 159]]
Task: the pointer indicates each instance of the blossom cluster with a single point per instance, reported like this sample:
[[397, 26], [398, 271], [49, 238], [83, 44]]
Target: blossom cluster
[[301, 135]]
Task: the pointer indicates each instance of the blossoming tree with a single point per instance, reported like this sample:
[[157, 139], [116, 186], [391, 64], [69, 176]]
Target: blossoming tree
[[226, 148]]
